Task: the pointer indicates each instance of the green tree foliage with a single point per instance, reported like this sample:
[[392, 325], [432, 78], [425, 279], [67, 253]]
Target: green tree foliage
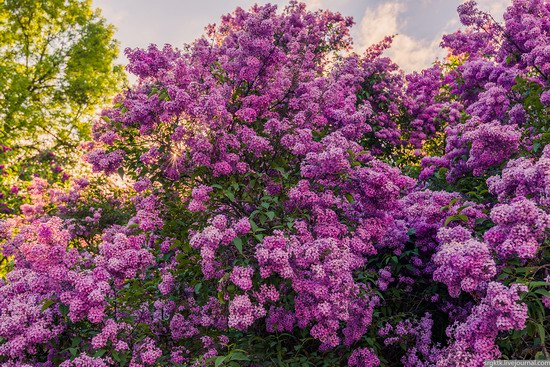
[[57, 64], [57, 68]]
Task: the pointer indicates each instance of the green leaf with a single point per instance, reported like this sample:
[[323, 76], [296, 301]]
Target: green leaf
[[543, 292], [462, 217], [230, 195], [181, 257], [175, 244], [502, 276], [542, 333], [121, 172], [259, 237], [238, 356], [75, 342], [270, 215], [453, 218], [254, 226], [219, 361], [64, 309], [47, 304], [238, 242]]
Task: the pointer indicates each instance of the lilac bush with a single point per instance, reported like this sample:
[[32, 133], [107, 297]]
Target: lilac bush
[[293, 203]]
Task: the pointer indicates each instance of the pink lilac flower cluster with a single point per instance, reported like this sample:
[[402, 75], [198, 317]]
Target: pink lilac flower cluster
[[122, 256], [40, 194], [280, 320], [363, 357], [211, 239], [495, 117], [108, 333], [525, 177], [473, 341], [422, 351], [147, 216], [384, 278], [486, 144], [85, 360], [428, 111], [105, 162], [491, 144], [29, 307], [243, 313], [527, 35], [520, 228], [199, 197], [464, 266], [426, 211], [242, 277], [147, 355]]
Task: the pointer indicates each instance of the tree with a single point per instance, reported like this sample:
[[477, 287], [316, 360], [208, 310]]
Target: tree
[[57, 66]]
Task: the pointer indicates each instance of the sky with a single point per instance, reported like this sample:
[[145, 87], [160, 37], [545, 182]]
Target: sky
[[419, 24]]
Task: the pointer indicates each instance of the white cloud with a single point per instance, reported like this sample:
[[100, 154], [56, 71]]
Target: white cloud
[[412, 54], [408, 52], [313, 4], [378, 23], [494, 7]]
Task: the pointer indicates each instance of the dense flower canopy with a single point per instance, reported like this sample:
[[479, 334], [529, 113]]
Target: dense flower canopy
[[297, 204]]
